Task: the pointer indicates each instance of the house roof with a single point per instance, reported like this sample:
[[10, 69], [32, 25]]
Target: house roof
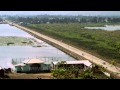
[[33, 60], [20, 64], [85, 62], [47, 62]]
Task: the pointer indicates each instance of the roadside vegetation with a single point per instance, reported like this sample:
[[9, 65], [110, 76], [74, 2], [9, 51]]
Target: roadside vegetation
[[74, 72], [102, 43]]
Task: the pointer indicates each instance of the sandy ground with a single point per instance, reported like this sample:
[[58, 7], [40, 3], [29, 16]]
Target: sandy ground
[[88, 56]]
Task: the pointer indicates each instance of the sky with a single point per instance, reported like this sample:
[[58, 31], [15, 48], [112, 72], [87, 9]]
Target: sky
[[85, 13]]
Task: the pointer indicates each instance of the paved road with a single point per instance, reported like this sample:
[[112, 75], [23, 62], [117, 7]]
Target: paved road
[[88, 56]]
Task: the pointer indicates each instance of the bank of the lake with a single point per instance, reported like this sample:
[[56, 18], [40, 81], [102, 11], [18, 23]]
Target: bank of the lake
[[101, 43]]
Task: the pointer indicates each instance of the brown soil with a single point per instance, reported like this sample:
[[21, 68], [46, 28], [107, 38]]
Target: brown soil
[[29, 76]]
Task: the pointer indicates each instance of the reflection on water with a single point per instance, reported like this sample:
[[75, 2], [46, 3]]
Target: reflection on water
[[9, 52]]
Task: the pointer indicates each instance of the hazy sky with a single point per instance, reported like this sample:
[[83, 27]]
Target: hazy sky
[[102, 13]]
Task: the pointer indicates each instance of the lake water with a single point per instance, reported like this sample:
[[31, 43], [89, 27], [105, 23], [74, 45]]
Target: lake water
[[107, 27], [7, 30], [9, 52]]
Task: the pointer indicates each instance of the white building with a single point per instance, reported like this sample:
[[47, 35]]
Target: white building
[[33, 65]]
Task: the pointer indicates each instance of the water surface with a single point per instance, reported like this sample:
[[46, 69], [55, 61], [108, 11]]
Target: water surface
[[107, 27], [7, 53]]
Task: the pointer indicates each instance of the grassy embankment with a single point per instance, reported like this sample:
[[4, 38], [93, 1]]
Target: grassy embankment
[[100, 43]]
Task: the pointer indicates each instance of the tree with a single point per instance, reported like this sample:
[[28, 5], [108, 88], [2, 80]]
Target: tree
[[113, 62], [75, 72]]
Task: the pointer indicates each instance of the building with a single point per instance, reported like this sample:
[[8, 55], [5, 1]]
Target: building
[[33, 65], [81, 63]]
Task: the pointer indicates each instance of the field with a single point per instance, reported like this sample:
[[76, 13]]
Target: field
[[15, 41], [101, 43]]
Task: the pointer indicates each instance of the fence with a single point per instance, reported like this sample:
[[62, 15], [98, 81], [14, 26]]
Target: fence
[[46, 59]]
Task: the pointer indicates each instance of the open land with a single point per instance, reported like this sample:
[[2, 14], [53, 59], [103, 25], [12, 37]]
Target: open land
[[28, 76]]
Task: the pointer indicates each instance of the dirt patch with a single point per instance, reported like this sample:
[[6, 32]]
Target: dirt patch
[[30, 76]]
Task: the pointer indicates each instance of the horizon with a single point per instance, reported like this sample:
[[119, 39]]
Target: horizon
[[73, 13]]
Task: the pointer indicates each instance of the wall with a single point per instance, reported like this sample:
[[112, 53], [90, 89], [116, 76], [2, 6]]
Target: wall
[[45, 67], [26, 68]]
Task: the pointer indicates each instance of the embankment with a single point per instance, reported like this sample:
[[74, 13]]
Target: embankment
[[71, 53]]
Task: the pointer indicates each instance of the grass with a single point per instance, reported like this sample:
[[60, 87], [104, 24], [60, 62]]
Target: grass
[[15, 41], [98, 42]]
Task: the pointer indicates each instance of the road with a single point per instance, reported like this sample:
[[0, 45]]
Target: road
[[88, 56]]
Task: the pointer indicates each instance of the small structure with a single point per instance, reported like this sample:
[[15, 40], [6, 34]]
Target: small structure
[[81, 63], [33, 65], [2, 73], [9, 43], [19, 67], [37, 45]]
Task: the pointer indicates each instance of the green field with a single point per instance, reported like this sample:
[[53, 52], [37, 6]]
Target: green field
[[102, 43], [15, 41]]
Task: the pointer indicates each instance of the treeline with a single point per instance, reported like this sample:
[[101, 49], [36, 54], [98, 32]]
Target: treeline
[[63, 19]]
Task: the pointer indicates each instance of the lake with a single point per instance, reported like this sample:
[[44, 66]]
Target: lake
[[7, 53], [107, 27]]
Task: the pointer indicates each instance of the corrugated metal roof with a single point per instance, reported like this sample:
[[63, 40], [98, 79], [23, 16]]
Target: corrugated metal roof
[[34, 60], [20, 64], [85, 62], [47, 62]]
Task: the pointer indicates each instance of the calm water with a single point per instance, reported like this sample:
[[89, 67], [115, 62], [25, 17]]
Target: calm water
[[9, 52], [107, 27]]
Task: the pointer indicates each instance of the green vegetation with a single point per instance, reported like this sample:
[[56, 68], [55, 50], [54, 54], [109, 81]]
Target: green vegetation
[[12, 41], [102, 43], [40, 19], [74, 72]]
